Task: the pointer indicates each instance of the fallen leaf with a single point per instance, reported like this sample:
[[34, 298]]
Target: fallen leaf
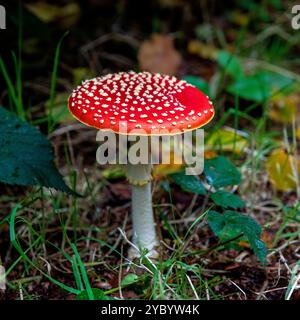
[[227, 139], [66, 15], [284, 108], [239, 18], [244, 244], [208, 154], [162, 170], [203, 50], [267, 237], [283, 170], [158, 54], [298, 133]]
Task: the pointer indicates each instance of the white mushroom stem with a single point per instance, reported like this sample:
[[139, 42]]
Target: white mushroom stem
[[144, 232]]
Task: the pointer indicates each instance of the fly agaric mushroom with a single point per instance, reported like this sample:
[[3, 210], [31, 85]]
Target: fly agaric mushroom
[[148, 102]]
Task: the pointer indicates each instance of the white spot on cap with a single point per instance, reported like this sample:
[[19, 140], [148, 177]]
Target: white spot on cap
[[110, 96]]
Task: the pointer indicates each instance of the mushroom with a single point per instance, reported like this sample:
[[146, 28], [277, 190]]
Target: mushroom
[[147, 102]]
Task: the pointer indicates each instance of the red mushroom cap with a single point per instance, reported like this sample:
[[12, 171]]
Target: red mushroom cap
[[143, 100]]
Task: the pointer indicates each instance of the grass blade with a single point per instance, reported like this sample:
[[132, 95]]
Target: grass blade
[[53, 82], [26, 258], [83, 274]]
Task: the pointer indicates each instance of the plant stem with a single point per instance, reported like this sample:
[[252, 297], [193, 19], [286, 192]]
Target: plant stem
[[144, 232]]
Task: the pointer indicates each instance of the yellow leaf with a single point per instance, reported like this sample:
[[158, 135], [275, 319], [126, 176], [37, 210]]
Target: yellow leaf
[[66, 15], [203, 50], [227, 139], [283, 170], [161, 170], [239, 18], [284, 109], [298, 133]]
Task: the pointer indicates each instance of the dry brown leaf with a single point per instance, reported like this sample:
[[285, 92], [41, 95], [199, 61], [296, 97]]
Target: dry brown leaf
[[267, 237], [208, 154], [158, 54]]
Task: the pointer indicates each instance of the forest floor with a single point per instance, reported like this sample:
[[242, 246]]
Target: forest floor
[[246, 58]]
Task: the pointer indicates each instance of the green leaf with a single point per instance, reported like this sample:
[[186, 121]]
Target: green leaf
[[260, 86], [98, 295], [260, 250], [230, 224], [198, 82], [220, 172], [129, 279], [230, 63], [247, 224], [251, 88], [222, 228], [216, 222], [227, 199], [26, 155], [188, 183], [60, 111]]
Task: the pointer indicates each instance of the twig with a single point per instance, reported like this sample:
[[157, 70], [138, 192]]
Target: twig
[[120, 274], [192, 286], [243, 292]]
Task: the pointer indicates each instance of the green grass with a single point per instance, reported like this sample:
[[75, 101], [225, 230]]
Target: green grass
[[37, 241], [13, 93], [51, 122]]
